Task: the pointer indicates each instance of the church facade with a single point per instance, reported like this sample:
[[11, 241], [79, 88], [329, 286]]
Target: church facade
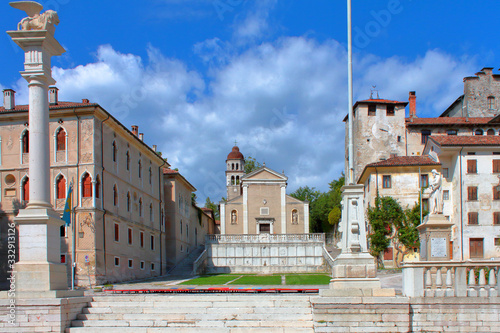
[[257, 202]]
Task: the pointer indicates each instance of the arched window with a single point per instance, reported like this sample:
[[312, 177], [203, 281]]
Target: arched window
[[140, 207], [232, 180], [97, 186], [237, 180], [114, 151], [151, 212], [128, 201], [140, 169], [60, 187], [86, 186], [232, 166], [26, 142], [128, 161], [115, 195], [478, 132], [491, 102], [150, 175], [26, 189], [181, 226], [61, 139], [490, 132]]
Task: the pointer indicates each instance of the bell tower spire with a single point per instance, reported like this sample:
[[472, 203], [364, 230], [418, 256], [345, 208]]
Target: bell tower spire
[[235, 170]]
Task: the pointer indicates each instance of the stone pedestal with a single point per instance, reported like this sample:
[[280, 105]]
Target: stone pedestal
[[435, 235], [39, 267]]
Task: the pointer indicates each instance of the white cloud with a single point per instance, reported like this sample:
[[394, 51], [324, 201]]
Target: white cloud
[[283, 101]]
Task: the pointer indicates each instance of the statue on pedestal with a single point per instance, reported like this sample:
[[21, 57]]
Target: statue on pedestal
[[436, 194], [35, 20]]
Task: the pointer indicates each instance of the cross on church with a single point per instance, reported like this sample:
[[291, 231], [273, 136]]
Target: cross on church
[[235, 142]]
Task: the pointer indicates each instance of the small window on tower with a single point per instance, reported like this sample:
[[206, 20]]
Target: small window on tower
[[390, 110], [372, 110]]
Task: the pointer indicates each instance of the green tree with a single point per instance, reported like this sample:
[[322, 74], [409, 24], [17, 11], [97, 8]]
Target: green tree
[[214, 207], [383, 218], [407, 232], [251, 164], [334, 218], [306, 194]]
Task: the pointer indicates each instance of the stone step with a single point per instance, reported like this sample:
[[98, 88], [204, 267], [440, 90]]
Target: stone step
[[188, 330], [197, 316], [196, 313]]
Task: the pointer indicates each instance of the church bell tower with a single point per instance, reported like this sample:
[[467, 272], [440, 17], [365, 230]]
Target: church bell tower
[[235, 170]]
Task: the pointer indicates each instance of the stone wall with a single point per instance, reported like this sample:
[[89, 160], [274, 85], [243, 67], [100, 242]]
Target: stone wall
[[265, 253], [41, 315], [401, 314]]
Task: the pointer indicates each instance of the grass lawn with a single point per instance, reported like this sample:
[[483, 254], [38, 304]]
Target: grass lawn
[[254, 279], [258, 280], [218, 279], [306, 279]]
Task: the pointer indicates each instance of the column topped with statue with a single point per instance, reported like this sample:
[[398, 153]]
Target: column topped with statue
[[39, 270]]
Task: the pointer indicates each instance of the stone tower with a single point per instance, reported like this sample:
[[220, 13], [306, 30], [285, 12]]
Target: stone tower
[[235, 170], [378, 132]]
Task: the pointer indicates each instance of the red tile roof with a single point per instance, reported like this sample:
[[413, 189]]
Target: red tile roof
[[169, 171], [405, 161], [59, 105], [466, 140], [459, 121], [381, 101]]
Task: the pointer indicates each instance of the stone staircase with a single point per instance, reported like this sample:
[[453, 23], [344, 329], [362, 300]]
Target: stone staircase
[[196, 313], [185, 267]]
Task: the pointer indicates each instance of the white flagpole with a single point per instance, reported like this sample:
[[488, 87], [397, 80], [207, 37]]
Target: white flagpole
[[350, 174]]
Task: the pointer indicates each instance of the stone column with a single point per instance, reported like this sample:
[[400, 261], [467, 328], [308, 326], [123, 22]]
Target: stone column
[[354, 271], [39, 271]]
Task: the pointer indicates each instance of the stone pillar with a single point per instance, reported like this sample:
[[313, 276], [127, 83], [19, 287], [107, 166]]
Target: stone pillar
[[39, 271], [354, 270], [306, 218]]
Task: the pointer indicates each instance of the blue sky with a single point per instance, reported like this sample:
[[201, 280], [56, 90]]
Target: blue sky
[[198, 75]]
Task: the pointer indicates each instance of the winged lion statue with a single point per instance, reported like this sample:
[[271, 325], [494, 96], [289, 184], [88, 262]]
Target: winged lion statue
[[35, 20]]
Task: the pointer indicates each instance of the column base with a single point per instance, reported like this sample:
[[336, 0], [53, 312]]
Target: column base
[[40, 277], [39, 268]]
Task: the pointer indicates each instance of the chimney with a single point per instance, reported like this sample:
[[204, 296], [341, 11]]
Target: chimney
[[9, 99], [85, 101], [154, 148], [413, 104], [53, 95], [141, 136], [135, 130]]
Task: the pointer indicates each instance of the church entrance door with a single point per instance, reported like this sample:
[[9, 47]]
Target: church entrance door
[[264, 228]]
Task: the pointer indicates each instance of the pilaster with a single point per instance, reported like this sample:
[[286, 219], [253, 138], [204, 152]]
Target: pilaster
[[245, 209], [283, 209]]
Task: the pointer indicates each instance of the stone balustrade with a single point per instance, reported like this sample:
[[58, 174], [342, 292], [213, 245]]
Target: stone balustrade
[[451, 279], [265, 238]]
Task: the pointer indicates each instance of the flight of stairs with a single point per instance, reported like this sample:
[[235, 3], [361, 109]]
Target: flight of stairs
[[196, 313], [185, 267]]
